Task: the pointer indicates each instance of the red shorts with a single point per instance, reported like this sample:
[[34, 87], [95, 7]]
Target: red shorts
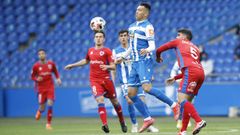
[[44, 95], [103, 87], [192, 80]]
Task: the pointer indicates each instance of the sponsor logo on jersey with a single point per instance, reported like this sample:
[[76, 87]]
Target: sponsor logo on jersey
[[96, 62], [40, 68], [91, 52]]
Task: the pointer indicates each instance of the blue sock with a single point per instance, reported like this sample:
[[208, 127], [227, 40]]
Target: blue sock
[[141, 106], [181, 109], [132, 114], [158, 94]]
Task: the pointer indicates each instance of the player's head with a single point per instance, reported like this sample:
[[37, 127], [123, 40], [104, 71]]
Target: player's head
[[99, 38], [41, 54], [184, 34], [143, 11], [123, 37]]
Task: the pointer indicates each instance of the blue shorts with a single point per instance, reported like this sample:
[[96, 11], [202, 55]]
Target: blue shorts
[[142, 72], [124, 88]]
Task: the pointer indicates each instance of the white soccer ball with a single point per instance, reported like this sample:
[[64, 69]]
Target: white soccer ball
[[97, 24]]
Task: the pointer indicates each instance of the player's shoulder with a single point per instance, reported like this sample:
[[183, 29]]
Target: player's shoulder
[[132, 25], [146, 23], [117, 49], [106, 49], [36, 64], [50, 62]]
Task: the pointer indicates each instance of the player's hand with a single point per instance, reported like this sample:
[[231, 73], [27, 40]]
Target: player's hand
[[59, 82], [159, 59], [143, 52], [118, 60], [68, 67], [39, 78], [170, 81], [104, 67]]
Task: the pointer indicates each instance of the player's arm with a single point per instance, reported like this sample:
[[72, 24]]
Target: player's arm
[[110, 59], [151, 42], [34, 75], [164, 47], [55, 71], [77, 64], [171, 80]]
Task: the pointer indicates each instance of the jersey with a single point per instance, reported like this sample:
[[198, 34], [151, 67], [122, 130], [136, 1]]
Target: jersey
[[97, 57], [188, 54], [122, 69], [45, 71], [140, 33]]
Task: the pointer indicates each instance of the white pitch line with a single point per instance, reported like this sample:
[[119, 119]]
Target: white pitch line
[[228, 131]]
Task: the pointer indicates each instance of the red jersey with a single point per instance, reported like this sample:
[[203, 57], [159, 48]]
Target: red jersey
[[97, 57], [45, 71], [188, 54]]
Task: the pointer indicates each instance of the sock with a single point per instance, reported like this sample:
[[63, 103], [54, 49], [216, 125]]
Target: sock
[[190, 109], [132, 114], [141, 106], [118, 109], [102, 113], [158, 94], [49, 114], [185, 121]]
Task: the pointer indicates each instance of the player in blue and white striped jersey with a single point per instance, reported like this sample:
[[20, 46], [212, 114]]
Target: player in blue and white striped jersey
[[142, 44], [123, 69]]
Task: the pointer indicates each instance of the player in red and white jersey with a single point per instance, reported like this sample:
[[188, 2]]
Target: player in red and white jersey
[[42, 75], [101, 61], [192, 75]]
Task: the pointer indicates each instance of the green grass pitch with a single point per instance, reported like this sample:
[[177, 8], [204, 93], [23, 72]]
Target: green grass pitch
[[92, 126]]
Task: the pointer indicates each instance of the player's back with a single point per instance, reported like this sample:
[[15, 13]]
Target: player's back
[[124, 67], [188, 54], [97, 57]]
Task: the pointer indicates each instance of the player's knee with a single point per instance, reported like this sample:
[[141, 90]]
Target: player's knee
[[147, 87], [100, 99], [50, 102]]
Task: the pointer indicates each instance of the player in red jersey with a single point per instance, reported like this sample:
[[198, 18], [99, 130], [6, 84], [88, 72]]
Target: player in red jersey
[[101, 61], [42, 75], [192, 75]]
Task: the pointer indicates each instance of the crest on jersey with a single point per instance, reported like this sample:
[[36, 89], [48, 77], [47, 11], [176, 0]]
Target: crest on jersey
[[151, 32], [101, 53], [40, 68], [91, 52], [192, 86], [49, 66]]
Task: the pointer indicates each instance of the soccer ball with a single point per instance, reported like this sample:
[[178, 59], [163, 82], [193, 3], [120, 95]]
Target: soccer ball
[[97, 24]]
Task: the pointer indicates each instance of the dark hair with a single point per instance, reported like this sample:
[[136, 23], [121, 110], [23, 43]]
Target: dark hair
[[146, 5], [186, 32], [123, 31], [100, 31], [41, 49]]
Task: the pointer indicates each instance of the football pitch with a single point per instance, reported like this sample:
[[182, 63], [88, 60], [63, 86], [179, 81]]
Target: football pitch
[[92, 126]]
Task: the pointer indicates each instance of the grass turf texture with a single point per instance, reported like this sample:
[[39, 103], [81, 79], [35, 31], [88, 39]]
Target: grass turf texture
[[92, 126]]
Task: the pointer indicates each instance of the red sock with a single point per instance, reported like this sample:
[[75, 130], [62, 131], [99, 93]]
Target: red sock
[[190, 109], [102, 113], [118, 109], [185, 120], [49, 115]]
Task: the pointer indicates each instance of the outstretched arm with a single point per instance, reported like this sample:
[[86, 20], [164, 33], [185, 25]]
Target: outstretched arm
[[77, 64], [164, 47]]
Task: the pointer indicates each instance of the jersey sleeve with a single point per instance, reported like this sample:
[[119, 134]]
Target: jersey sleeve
[[166, 46], [55, 71], [114, 56], [87, 56], [34, 73], [109, 56], [150, 33]]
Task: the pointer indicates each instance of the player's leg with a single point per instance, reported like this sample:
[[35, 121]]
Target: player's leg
[[141, 94], [145, 75], [41, 101], [49, 113], [189, 87], [131, 109], [111, 94], [98, 92]]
